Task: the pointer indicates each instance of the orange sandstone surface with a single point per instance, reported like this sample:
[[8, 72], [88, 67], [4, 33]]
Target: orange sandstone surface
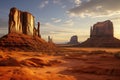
[[66, 64]]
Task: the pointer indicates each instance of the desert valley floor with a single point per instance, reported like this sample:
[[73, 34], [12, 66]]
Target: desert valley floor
[[65, 64]]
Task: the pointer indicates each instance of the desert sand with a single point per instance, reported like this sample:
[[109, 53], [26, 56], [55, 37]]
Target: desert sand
[[65, 64]]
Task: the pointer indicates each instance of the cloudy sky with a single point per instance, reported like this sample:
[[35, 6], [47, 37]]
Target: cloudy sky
[[61, 19]]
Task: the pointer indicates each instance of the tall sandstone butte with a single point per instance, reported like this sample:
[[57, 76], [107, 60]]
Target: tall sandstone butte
[[102, 29], [22, 35], [101, 35], [22, 22]]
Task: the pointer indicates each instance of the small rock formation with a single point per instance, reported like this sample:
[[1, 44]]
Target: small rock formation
[[22, 22], [102, 29], [73, 40], [101, 35], [39, 29], [50, 39]]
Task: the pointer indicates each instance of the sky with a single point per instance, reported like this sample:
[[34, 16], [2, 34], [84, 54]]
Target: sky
[[62, 19]]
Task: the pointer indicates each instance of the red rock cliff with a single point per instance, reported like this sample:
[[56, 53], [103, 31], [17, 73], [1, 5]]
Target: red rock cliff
[[102, 29], [101, 35], [22, 22]]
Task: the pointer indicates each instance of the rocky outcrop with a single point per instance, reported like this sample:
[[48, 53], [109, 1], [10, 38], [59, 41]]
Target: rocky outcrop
[[102, 29], [15, 20], [23, 36], [39, 29], [50, 39], [22, 42], [73, 40], [22, 22], [101, 35]]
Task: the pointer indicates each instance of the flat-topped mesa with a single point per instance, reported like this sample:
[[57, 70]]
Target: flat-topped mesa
[[101, 35], [22, 22], [102, 29], [74, 40]]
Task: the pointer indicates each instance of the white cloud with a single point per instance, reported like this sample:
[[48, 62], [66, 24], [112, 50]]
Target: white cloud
[[44, 3], [57, 1], [47, 24], [69, 23], [55, 20], [96, 8], [77, 2], [116, 18]]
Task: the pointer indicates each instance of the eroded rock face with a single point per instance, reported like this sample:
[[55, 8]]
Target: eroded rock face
[[102, 29], [28, 23], [21, 25], [101, 35], [22, 42], [15, 20], [73, 40], [22, 22]]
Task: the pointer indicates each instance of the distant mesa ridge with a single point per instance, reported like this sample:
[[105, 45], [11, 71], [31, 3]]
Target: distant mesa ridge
[[22, 22], [101, 35]]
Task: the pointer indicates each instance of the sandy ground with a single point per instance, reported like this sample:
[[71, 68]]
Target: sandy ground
[[66, 64]]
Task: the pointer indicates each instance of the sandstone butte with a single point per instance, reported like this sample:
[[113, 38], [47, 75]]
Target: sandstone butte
[[22, 33], [22, 22], [101, 35], [73, 40]]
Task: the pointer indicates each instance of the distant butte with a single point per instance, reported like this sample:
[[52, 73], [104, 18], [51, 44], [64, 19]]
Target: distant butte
[[101, 35], [73, 40], [102, 29]]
